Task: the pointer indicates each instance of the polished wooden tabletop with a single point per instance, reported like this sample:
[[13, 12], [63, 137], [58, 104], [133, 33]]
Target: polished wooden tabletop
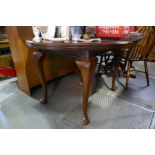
[[80, 49], [97, 45]]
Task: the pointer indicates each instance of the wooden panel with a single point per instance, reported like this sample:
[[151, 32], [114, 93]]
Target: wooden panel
[[24, 65]]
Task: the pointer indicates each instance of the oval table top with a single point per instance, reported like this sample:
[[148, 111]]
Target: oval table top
[[81, 49]]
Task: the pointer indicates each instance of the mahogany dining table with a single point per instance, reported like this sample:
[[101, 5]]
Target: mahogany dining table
[[84, 54]]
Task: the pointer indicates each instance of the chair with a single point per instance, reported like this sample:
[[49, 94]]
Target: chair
[[105, 62], [140, 52]]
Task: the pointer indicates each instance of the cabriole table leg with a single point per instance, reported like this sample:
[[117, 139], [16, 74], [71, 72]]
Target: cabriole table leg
[[87, 68], [38, 58]]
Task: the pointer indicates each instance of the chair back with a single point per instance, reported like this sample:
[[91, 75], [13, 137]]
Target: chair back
[[144, 47]]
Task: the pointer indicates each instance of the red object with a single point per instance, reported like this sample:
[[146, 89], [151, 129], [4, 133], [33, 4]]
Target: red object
[[113, 31], [6, 71]]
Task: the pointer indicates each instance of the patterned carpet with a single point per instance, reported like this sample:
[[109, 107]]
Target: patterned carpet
[[123, 108], [109, 112]]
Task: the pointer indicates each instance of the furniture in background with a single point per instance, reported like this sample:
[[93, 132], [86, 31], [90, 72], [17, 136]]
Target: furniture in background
[[106, 60], [6, 62], [22, 57], [105, 63], [151, 56], [140, 53]]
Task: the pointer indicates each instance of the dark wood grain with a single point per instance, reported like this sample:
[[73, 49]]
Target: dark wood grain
[[87, 68], [38, 58]]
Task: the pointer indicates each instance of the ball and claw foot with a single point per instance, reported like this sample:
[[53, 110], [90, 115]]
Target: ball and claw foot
[[43, 101], [84, 120], [113, 89]]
